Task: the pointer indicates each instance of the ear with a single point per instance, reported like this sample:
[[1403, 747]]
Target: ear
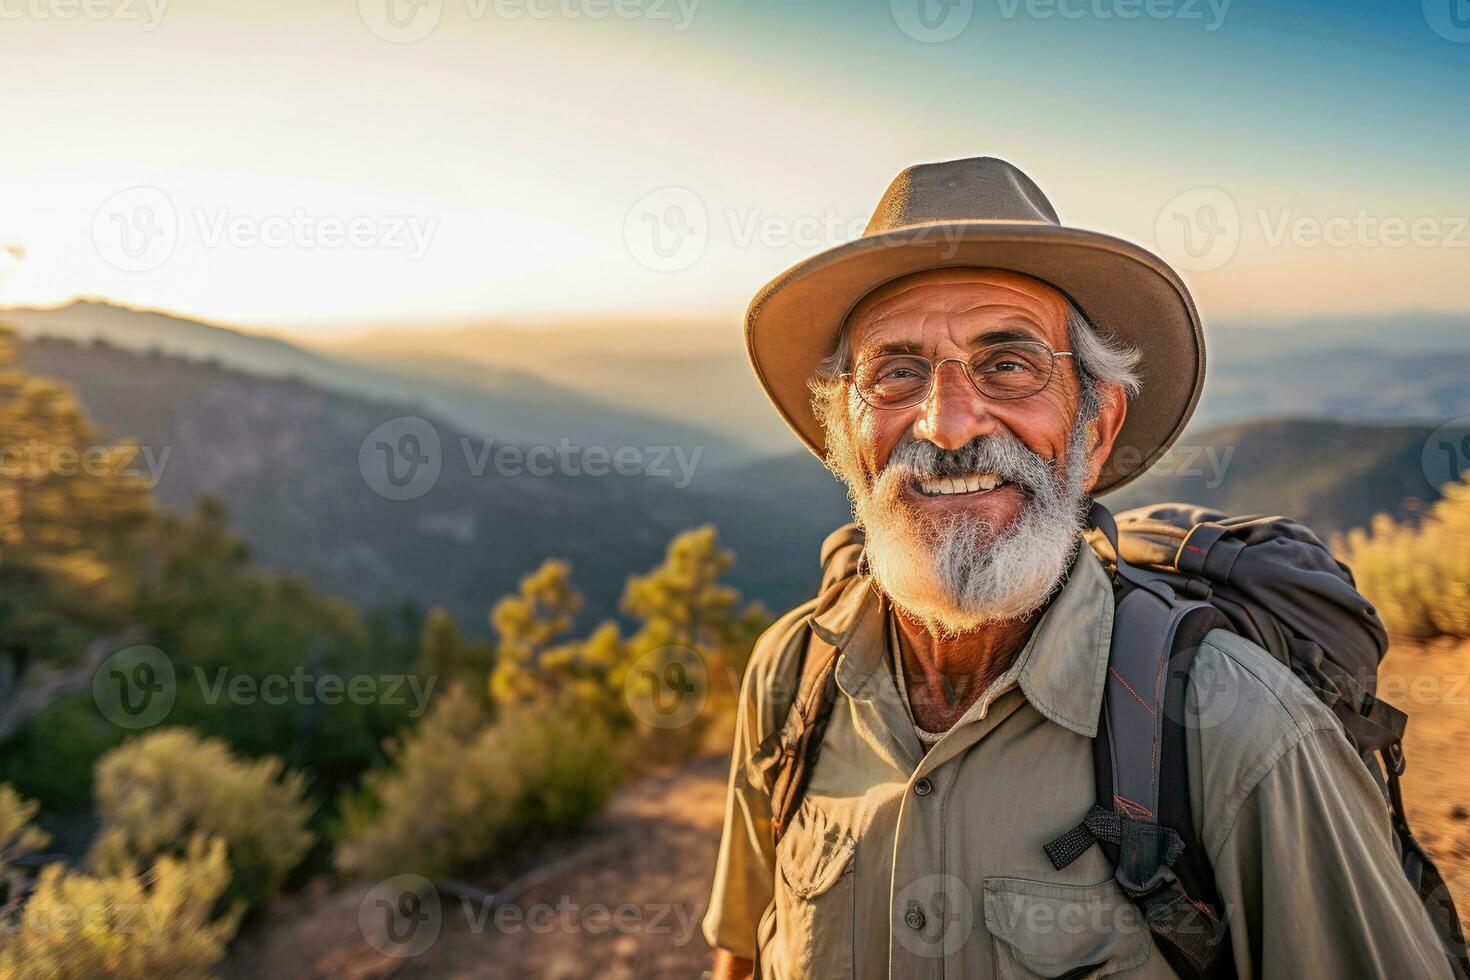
[[1112, 410]]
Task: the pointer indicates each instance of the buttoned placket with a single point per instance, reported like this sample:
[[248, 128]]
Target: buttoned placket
[[920, 856], [916, 935]]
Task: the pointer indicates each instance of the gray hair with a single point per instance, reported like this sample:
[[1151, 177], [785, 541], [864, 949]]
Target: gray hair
[[1100, 361]]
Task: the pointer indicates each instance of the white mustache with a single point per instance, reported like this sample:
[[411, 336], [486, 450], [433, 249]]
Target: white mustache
[[1000, 453]]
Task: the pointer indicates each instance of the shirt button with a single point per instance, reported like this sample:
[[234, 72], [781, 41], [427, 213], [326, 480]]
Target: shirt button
[[914, 917], [923, 787]]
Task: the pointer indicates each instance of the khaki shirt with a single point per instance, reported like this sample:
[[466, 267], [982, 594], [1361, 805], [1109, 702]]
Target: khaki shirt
[[902, 863]]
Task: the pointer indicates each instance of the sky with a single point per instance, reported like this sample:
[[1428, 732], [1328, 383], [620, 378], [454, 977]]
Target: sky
[[321, 168]]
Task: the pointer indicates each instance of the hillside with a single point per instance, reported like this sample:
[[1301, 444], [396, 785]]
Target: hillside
[[505, 402], [1406, 367], [1331, 475], [284, 455]]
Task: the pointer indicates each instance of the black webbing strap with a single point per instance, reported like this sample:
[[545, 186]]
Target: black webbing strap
[[1110, 826], [1191, 928]]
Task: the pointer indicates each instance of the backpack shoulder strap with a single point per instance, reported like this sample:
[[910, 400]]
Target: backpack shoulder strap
[[1143, 818], [782, 765]]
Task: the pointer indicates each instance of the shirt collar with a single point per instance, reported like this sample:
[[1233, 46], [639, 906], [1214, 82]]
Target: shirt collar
[[1062, 669]]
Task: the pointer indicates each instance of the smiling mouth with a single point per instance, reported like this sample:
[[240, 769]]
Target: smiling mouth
[[951, 486]]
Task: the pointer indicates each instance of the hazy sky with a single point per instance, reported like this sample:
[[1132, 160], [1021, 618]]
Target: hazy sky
[[317, 164]]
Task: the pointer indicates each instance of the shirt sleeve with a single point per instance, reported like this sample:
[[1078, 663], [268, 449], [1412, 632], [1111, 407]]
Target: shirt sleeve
[[744, 881], [1311, 877]]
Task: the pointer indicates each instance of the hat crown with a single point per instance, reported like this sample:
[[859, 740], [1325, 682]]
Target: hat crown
[[975, 189]]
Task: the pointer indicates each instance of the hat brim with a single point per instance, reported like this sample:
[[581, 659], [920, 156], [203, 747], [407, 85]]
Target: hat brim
[[1126, 292]]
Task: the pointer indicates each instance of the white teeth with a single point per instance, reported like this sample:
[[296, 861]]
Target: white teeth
[[972, 483]]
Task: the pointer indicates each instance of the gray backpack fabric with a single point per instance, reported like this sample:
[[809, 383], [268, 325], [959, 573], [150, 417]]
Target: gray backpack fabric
[[1179, 571]]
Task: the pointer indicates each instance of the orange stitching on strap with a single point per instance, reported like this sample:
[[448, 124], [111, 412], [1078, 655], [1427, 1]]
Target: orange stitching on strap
[[1131, 807], [1130, 689]]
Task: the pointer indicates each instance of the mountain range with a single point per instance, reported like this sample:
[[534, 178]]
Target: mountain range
[[291, 439]]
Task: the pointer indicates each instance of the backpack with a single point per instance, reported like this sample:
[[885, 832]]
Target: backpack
[[1179, 571]]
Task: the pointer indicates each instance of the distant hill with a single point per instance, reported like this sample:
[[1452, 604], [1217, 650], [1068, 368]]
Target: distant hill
[[283, 452], [696, 371], [504, 402], [1409, 366], [631, 381], [1331, 475], [284, 456]]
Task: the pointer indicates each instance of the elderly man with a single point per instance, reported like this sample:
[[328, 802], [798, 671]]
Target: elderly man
[[975, 372]]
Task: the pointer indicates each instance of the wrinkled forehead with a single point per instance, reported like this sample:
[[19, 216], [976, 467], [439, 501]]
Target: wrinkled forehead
[[958, 307]]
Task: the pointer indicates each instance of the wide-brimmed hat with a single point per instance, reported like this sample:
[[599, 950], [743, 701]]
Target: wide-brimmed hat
[[985, 213]]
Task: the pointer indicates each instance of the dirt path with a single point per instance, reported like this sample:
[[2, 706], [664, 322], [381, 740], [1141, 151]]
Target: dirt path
[[626, 900], [1432, 684]]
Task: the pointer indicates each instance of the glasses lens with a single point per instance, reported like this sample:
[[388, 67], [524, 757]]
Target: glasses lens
[[1009, 371], [896, 381]]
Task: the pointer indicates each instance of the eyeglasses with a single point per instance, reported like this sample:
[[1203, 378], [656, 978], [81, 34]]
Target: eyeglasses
[[1003, 372]]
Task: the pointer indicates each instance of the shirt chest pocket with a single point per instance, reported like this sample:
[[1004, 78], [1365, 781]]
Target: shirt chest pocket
[[815, 898], [1043, 929]]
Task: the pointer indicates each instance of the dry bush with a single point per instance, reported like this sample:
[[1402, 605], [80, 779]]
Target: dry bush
[[1418, 574], [461, 788], [161, 923], [156, 791]]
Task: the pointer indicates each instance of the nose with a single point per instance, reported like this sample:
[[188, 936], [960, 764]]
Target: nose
[[954, 412]]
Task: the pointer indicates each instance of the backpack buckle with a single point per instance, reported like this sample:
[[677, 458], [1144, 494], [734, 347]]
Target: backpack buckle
[[1394, 756]]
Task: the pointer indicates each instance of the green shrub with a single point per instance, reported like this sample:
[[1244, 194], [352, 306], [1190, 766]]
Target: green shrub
[[459, 788], [1418, 574], [156, 791], [125, 924]]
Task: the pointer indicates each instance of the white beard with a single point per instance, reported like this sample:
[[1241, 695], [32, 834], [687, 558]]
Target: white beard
[[958, 572]]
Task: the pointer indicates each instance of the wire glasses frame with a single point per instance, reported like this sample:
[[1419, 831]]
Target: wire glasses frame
[[1001, 372]]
